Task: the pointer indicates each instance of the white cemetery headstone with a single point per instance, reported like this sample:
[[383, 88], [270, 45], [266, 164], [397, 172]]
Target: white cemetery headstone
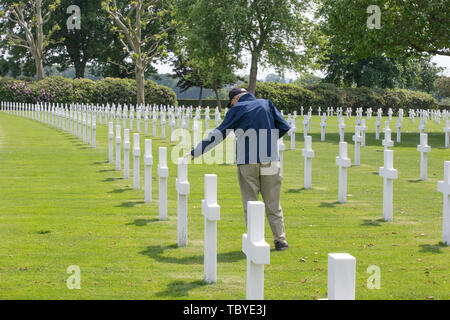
[[308, 154], [211, 212], [256, 249], [163, 174], [182, 186], [111, 142], [136, 163], [444, 187], [424, 149], [148, 163], [357, 138], [118, 147], [389, 174], [341, 276], [126, 154], [343, 162]]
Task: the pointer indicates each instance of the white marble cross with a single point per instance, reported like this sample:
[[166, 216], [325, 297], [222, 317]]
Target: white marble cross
[[341, 130], [148, 163], [422, 126], [424, 149], [323, 125], [341, 276], [308, 154], [363, 133], [447, 134], [182, 186], [387, 142], [256, 249], [136, 163], [126, 154], [211, 212], [292, 134], [305, 126], [111, 142], [94, 132], [399, 130], [163, 173], [343, 162], [118, 147], [444, 187], [357, 138], [389, 174], [377, 125]]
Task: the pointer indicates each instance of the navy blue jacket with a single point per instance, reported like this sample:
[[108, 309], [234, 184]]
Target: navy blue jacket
[[257, 125]]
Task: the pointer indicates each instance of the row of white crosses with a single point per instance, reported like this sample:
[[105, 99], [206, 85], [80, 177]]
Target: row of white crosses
[[68, 118]]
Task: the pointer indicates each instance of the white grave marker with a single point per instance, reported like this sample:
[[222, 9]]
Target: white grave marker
[[136, 163], [111, 142], [341, 276], [308, 154], [444, 187], [148, 163], [343, 162], [163, 173], [424, 149], [182, 186], [118, 147], [256, 249], [211, 212], [126, 154], [389, 174]]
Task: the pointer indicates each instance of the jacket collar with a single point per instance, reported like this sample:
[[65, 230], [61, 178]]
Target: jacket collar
[[247, 97]]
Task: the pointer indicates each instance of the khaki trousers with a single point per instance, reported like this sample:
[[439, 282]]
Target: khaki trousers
[[264, 178]]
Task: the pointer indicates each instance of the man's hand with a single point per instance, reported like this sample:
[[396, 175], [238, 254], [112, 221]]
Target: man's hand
[[187, 155]]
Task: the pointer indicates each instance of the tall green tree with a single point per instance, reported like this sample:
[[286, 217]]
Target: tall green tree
[[406, 28], [204, 45], [23, 24], [80, 47], [274, 32], [143, 26]]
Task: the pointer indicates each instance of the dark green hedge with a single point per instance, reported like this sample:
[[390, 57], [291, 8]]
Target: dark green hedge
[[64, 90], [290, 97]]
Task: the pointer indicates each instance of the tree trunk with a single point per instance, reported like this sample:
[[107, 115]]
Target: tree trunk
[[253, 73], [140, 85], [80, 67], [200, 97], [219, 104], [39, 68]]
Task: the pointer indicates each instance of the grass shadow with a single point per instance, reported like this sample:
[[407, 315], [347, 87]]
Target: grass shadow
[[158, 253], [329, 204], [111, 179], [100, 162], [295, 190], [130, 204], [141, 222], [117, 191], [373, 223], [180, 288], [415, 181], [107, 170], [432, 248]]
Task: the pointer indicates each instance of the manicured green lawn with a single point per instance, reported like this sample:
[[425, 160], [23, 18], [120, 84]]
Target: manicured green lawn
[[62, 204]]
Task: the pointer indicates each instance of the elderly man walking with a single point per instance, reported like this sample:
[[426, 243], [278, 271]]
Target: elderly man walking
[[257, 125]]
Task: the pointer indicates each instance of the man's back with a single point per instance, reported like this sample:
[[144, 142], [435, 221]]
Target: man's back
[[257, 125]]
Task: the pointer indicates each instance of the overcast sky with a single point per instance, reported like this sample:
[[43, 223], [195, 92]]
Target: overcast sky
[[442, 61]]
